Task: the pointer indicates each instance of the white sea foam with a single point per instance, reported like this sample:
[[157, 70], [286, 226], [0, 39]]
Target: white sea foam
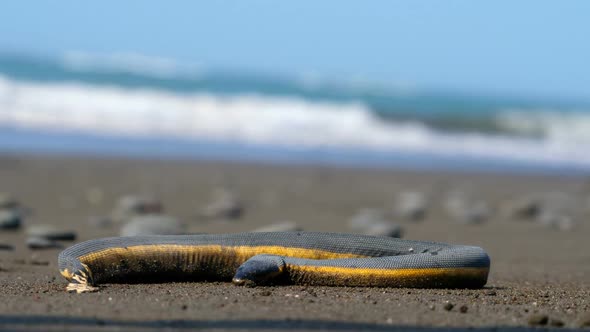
[[571, 127], [276, 121]]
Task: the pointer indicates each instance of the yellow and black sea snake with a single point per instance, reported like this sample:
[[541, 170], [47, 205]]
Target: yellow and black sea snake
[[305, 258]]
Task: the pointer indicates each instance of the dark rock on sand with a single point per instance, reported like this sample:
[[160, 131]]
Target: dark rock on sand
[[448, 306], [556, 322], [466, 210], [411, 205], [527, 207], [538, 319], [133, 205], [42, 243], [153, 224], [556, 220], [384, 228], [5, 246], [10, 219], [373, 222], [225, 204], [50, 232], [99, 221], [365, 218]]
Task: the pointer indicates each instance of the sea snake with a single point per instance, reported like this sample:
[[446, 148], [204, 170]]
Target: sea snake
[[305, 258]]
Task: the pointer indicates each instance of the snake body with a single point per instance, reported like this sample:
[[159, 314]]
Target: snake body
[[307, 258]]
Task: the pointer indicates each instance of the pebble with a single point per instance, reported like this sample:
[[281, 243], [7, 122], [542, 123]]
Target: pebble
[[10, 219], [411, 205], [538, 319], [153, 224], [224, 205], [50, 232], [556, 322], [463, 309], [555, 220], [365, 217], [373, 222], [467, 211], [129, 206], [42, 243], [527, 207], [448, 306], [283, 226], [99, 221], [8, 247], [384, 228]]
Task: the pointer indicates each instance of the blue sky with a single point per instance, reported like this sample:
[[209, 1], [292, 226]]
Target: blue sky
[[515, 47]]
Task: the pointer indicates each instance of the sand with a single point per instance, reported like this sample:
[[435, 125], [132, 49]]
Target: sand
[[536, 270]]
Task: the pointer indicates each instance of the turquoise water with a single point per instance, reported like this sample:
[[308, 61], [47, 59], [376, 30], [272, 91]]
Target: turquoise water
[[103, 102]]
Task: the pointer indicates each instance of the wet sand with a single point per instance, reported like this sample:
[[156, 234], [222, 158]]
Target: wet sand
[[535, 270]]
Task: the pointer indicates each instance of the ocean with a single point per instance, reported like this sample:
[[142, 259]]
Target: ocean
[[135, 106]]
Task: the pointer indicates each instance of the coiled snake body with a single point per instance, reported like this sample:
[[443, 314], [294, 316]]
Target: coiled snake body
[[308, 258]]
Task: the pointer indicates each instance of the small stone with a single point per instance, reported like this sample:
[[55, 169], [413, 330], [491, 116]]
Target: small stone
[[373, 222], [265, 293], [491, 293], [50, 232], [10, 219], [448, 306], [384, 228], [133, 205], [463, 309], [538, 319], [557, 221], [432, 307], [184, 307], [224, 204], [467, 210], [527, 207], [411, 205], [99, 221], [365, 218], [556, 322], [42, 243]]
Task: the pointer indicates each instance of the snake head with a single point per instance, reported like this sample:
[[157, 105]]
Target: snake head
[[259, 269]]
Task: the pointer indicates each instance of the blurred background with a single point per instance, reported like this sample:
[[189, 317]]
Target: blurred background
[[421, 84]]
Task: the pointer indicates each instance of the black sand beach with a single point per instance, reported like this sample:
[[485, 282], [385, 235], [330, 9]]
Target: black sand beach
[[539, 275]]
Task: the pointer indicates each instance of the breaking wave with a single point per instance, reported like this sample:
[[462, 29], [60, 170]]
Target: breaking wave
[[283, 121]]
